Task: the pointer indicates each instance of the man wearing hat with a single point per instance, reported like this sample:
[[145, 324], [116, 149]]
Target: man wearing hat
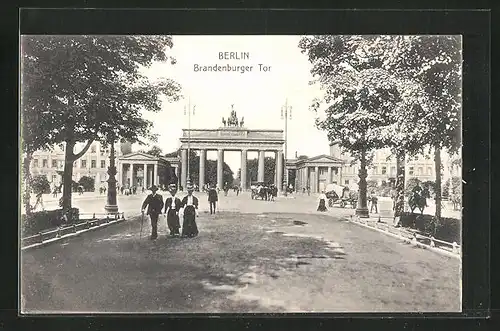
[[154, 202], [212, 198], [172, 208]]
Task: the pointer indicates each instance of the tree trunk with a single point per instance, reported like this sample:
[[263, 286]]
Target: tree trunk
[[69, 158], [399, 203], [362, 206], [437, 164], [27, 183]]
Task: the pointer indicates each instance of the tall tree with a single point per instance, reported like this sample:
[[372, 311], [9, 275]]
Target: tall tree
[[155, 151], [269, 170], [436, 63], [92, 88]]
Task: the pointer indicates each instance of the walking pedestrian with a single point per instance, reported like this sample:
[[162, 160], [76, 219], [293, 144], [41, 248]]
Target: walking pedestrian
[[172, 208], [154, 202], [212, 199], [39, 201], [189, 213], [374, 201], [322, 202]]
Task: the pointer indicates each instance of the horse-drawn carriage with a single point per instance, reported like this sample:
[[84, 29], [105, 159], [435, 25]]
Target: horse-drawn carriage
[[341, 195]]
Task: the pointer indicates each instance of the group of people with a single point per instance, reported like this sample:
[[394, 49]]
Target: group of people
[[175, 208]]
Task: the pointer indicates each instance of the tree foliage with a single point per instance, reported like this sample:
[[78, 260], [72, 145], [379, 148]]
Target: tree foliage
[[402, 92], [40, 184], [86, 88], [88, 183]]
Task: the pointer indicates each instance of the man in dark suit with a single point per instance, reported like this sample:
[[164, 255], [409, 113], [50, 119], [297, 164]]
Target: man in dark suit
[[212, 199], [154, 202]]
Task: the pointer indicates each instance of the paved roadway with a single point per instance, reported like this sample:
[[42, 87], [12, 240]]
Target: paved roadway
[[254, 256]]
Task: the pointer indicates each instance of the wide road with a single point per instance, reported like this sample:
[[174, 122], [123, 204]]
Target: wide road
[[253, 256]]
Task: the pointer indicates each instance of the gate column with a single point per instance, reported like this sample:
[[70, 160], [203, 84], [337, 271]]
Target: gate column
[[201, 180], [279, 165], [220, 167], [260, 174], [243, 172]]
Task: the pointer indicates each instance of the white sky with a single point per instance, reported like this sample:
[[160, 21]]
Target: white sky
[[256, 95]]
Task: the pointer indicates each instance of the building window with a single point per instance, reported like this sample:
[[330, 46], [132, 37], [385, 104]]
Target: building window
[[411, 171], [35, 163], [54, 178], [346, 182], [429, 170], [420, 170], [92, 149], [74, 164], [93, 163], [45, 163], [384, 170], [375, 170], [393, 171], [54, 163], [84, 164], [103, 163]]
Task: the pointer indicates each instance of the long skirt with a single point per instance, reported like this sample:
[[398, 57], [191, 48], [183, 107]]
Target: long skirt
[[173, 222], [322, 206], [189, 227]]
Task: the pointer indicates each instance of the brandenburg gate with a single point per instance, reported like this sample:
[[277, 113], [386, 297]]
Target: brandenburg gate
[[232, 136]]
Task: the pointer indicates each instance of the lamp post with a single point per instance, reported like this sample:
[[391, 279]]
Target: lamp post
[[188, 113], [285, 110], [111, 205]]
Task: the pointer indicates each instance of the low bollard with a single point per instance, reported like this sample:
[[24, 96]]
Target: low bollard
[[93, 216], [432, 242], [107, 218], [123, 216], [87, 225], [455, 247], [379, 218], [58, 235], [414, 239], [74, 228], [117, 216], [40, 237]]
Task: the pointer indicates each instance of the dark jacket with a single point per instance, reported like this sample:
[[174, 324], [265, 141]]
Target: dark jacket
[[212, 195], [185, 201], [155, 204], [168, 203]]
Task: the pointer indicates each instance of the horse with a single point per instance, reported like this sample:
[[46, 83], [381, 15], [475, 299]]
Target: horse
[[418, 200]]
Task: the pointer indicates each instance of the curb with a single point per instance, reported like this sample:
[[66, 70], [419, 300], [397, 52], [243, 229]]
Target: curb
[[69, 235], [407, 240]]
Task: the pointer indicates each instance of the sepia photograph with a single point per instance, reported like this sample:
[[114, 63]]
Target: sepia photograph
[[240, 174]]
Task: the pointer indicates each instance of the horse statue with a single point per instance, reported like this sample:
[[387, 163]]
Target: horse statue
[[223, 121], [418, 199]]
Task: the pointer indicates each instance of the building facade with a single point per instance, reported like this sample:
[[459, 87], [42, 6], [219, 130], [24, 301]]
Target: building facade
[[383, 167], [94, 163], [316, 172]]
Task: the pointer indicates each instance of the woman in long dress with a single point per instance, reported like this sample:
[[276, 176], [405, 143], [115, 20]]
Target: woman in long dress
[[322, 202], [190, 212]]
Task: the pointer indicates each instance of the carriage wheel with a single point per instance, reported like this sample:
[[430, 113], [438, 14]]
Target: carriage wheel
[[342, 204]]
